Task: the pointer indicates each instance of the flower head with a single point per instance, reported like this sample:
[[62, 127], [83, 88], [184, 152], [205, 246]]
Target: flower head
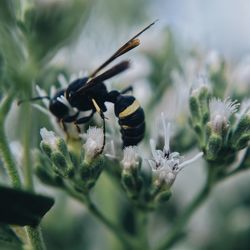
[[130, 157], [94, 142], [220, 111], [167, 165], [49, 138]]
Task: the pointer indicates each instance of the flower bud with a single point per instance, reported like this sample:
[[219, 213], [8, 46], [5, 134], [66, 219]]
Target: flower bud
[[94, 144], [163, 196], [47, 177], [46, 148], [198, 104], [220, 112], [131, 178], [62, 147], [213, 146], [89, 173], [131, 159], [50, 143], [194, 109], [132, 184]]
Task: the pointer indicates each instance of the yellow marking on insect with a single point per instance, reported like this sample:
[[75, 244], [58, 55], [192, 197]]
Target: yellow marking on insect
[[126, 126], [96, 106], [131, 45], [130, 109]]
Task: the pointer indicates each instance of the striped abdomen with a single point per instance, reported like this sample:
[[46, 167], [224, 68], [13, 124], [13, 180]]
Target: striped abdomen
[[131, 119]]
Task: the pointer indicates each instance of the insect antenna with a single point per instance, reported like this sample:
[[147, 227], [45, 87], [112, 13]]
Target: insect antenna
[[129, 45], [33, 99]]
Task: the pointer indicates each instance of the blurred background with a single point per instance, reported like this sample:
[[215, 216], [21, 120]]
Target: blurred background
[[191, 38]]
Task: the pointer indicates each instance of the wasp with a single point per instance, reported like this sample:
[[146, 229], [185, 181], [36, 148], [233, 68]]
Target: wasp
[[90, 94]]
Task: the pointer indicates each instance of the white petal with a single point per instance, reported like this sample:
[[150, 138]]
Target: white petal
[[152, 164], [166, 133], [42, 92], [153, 150], [62, 80], [182, 165]]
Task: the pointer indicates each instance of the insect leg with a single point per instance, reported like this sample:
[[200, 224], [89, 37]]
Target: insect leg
[[84, 119], [100, 112], [128, 89]]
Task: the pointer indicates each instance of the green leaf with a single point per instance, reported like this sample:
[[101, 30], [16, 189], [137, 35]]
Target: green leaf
[[22, 208], [8, 239]]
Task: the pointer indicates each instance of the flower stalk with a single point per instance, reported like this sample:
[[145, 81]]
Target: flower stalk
[[177, 231], [33, 234]]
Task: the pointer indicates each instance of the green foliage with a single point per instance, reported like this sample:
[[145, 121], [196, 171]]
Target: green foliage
[[8, 239]]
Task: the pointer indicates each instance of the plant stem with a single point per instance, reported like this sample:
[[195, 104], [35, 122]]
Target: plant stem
[[33, 234], [5, 152], [35, 238], [142, 220], [177, 230], [125, 239], [28, 172]]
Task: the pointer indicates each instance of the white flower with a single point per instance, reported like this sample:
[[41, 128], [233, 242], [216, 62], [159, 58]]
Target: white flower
[[130, 157], [220, 111], [49, 138], [94, 142], [167, 165]]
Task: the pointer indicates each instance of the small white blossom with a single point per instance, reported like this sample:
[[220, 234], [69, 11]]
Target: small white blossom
[[130, 157], [167, 165], [220, 111], [49, 138], [94, 142]]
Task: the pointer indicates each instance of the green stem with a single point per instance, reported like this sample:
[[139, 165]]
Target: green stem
[[126, 240], [5, 152], [177, 231], [33, 234], [35, 238], [142, 221], [28, 171]]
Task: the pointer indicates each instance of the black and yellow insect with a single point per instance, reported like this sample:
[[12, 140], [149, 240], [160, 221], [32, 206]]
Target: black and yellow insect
[[90, 94]]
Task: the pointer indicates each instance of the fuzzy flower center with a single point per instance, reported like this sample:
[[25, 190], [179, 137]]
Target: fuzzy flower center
[[130, 157], [49, 137], [220, 111], [94, 142]]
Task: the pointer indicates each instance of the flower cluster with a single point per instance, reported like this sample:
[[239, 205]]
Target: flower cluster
[[81, 171], [166, 164], [222, 126]]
